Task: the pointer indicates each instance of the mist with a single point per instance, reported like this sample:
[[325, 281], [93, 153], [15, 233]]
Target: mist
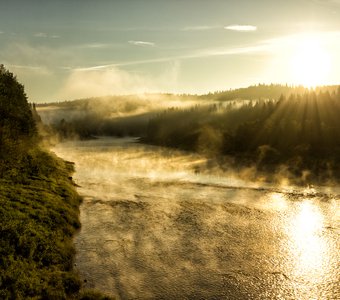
[[127, 115], [290, 138], [170, 149], [205, 196], [114, 106], [158, 221]]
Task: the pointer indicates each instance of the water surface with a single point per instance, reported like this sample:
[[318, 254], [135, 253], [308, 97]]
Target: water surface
[[158, 224]]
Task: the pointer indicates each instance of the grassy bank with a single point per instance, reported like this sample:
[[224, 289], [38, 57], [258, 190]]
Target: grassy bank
[[38, 215], [39, 211], [39, 207]]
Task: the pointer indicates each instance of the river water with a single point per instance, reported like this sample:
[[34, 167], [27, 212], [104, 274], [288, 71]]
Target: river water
[[161, 224]]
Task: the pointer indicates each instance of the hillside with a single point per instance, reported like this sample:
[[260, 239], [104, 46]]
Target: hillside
[[264, 91]]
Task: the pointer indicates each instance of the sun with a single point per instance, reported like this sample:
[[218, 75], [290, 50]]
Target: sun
[[311, 62]]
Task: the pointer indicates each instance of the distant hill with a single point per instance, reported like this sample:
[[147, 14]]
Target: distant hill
[[272, 91], [130, 115], [110, 115]]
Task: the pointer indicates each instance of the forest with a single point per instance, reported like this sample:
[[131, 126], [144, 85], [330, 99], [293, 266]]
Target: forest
[[272, 128], [299, 132]]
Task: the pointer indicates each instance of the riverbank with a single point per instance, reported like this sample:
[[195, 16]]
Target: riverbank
[[39, 215], [39, 207]]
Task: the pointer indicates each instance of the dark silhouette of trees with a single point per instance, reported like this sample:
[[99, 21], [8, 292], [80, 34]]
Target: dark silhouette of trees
[[15, 112], [17, 126], [301, 131]]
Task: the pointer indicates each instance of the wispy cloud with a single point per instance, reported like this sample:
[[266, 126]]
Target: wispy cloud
[[40, 34], [95, 45], [237, 27], [45, 35], [142, 43], [199, 28], [25, 67], [264, 46], [198, 54], [25, 56], [67, 63], [20, 69]]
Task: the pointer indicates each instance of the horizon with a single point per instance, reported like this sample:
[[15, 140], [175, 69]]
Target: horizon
[[65, 51], [318, 88]]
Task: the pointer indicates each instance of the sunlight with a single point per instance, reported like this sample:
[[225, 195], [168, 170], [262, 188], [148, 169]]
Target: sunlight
[[311, 62], [308, 245], [278, 201]]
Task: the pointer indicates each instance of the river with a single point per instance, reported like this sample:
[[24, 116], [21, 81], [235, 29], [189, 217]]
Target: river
[[163, 224]]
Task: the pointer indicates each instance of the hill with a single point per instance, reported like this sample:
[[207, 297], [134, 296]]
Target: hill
[[264, 91]]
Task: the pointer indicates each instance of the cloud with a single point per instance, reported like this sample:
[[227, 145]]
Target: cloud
[[40, 35], [198, 28], [243, 28], [45, 35], [113, 80], [129, 63], [198, 54], [24, 54], [263, 46], [142, 43], [95, 45], [28, 70], [98, 82], [27, 67]]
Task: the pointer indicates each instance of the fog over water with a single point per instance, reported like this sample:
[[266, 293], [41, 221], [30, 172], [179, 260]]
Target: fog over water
[[163, 224]]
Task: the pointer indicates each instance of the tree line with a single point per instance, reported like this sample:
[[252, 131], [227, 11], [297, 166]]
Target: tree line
[[300, 131]]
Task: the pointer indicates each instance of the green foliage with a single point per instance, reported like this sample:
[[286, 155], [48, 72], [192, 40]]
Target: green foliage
[[38, 216], [39, 207], [15, 113], [17, 127]]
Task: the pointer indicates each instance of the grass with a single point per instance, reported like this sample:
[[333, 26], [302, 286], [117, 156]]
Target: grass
[[39, 214]]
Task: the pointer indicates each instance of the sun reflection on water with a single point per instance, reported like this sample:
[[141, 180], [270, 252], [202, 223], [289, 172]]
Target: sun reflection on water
[[308, 248], [154, 208]]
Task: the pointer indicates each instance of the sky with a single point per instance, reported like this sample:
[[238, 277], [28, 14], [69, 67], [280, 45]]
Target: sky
[[71, 49]]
